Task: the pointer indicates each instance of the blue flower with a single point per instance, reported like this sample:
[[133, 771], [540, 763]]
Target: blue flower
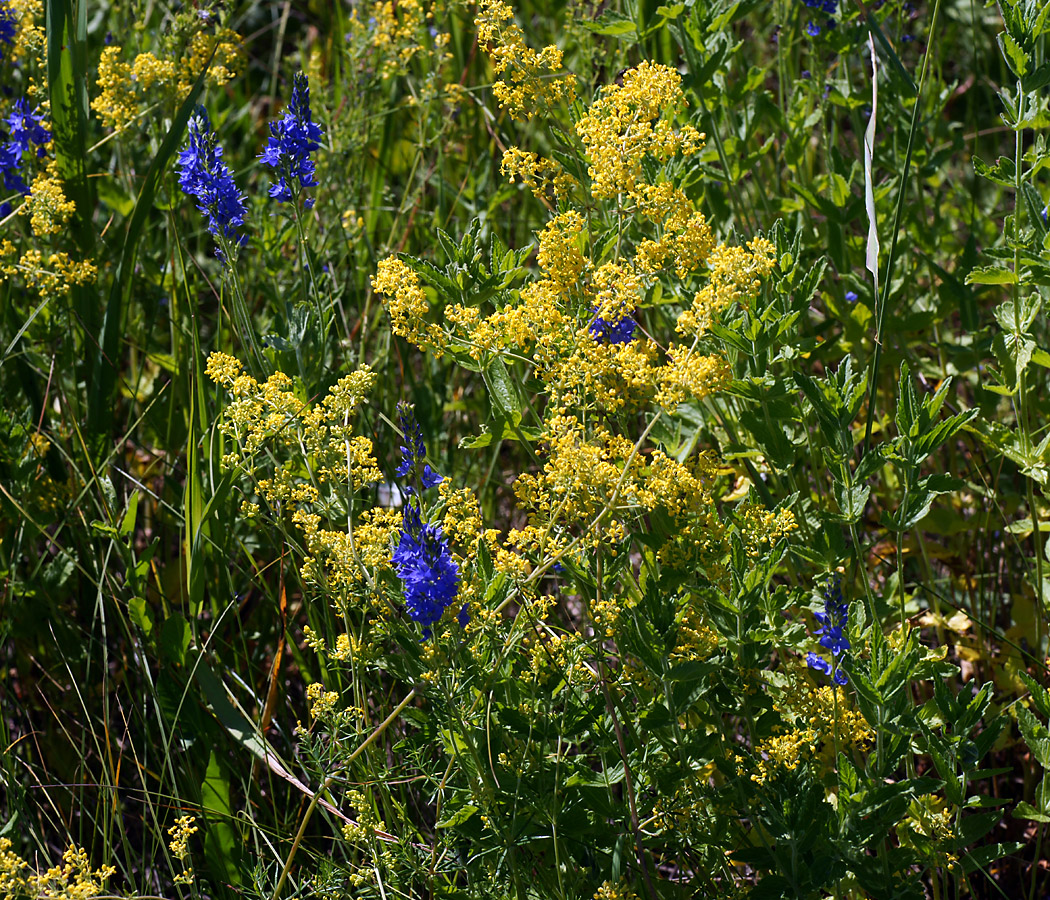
[[621, 332], [203, 174], [24, 128], [851, 296], [833, 621], [8, 23], [292, 139], [10, 164], [414, 451], [424, 563], [812, 30], [818, 663]]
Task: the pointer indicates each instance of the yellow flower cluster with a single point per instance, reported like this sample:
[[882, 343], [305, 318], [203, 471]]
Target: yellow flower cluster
[[930, 819], [759, 527], [736, 274], [322, 703], [610, 891], [30, 39], [690, 375], [695, 640], [529, 83], [347, 647], [407, 304], [339, 561], [225, 49], [462, 523], [116, 103], [823, 713], [632, 122], [126, 89], [685, 241], [49, 276], [592, 484], [782, 752], [47, 205], [556, 656], [73, 880], [544, 177], [584, 476], [271, 415], [398, 33], [367, 821], [320, 465], [181, 832]]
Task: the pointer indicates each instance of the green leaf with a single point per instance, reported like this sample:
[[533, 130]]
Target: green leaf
[[997, 173], [1035, 735], [991, 275], [460, 816], [1035, 204], [1014, 55], [989, 853], [851, 501], [127, 524], [907, 406], [1013, 353], [175, 638], [1040, 695], [1025, 810], [67, 92], [610, 23], [1036, 80], [140, 614], [221, 847], [502, 390]]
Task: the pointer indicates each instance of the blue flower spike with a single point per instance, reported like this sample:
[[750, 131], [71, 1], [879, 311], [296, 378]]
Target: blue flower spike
[[424, 563], [292, 139], [203, 174], [832, 633], [423, 560], [413, 450]]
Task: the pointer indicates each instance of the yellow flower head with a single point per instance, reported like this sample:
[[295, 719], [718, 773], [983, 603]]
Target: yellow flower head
[[630, 122]]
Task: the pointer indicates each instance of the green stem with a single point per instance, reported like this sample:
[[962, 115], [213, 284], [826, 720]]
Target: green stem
[[873, 380]]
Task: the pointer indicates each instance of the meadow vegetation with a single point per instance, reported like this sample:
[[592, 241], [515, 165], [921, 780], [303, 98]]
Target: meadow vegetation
[[553, 450]]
